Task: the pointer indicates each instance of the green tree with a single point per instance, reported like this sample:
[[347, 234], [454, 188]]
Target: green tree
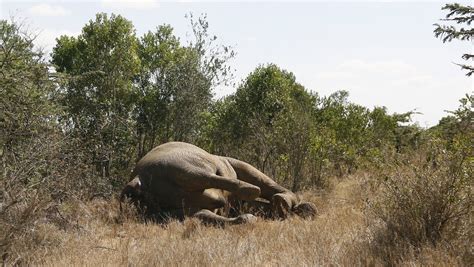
[[267, 122], [99, 94], [176, 83], [158, 52], [462, 15], [457, 129], [344, 128], [348, 134], [387, 132]]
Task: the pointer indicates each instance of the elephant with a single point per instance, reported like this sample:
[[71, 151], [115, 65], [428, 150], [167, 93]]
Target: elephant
[[178, 179]]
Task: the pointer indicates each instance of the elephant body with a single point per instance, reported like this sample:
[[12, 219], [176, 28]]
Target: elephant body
[[179, 179]]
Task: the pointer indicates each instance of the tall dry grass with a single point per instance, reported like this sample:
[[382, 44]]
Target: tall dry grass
[[425, 201], [93, 233]]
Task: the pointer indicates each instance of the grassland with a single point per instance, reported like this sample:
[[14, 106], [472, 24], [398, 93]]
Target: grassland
[[344, 233]]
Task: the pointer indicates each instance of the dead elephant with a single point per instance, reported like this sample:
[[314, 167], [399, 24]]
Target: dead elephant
[[179, 179]]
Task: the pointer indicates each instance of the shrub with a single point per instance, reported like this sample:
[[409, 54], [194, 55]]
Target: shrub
[[37, 177], [426, 199]]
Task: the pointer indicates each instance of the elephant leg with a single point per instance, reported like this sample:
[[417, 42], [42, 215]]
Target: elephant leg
[[282, 205], [197, 181], [210, 199], [248, 173], [282, 200], [210, 218], [192, 203]]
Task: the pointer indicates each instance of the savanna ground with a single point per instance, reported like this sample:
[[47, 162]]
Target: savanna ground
[[345, 232]]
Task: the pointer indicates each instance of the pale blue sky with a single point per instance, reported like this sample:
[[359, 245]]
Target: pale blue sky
[[383, 53]]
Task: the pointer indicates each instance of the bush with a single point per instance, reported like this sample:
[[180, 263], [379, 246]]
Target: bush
[[38, 176], [426, 199]]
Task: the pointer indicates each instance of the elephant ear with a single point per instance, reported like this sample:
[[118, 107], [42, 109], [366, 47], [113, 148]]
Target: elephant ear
[[305, 210]]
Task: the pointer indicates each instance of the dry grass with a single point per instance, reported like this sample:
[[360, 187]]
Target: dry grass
[[340, 235]]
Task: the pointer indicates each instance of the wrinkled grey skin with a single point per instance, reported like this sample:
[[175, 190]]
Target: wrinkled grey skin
[[179, 179]]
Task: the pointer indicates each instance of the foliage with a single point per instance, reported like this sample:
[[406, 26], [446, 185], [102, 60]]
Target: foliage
[[457, 129], [98, 96], [462, 15], [175, 84], [428, 195], [125, 94], [28, 127], [425, 200], [25, 88], [266, 122], [164, 93], [297, 137]]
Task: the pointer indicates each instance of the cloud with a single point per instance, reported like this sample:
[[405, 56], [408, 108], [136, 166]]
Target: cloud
[[125, 4], [48, 10]]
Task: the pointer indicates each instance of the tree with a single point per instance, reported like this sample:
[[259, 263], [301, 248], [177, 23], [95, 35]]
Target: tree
[[25, 91], [457, 129], [462, 15], [158, 52], [99, 94], [267, 122], [27, 123], [176, 83], [25, 87]]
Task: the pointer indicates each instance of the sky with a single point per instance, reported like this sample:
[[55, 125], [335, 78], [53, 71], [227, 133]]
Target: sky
[[383, 53]]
